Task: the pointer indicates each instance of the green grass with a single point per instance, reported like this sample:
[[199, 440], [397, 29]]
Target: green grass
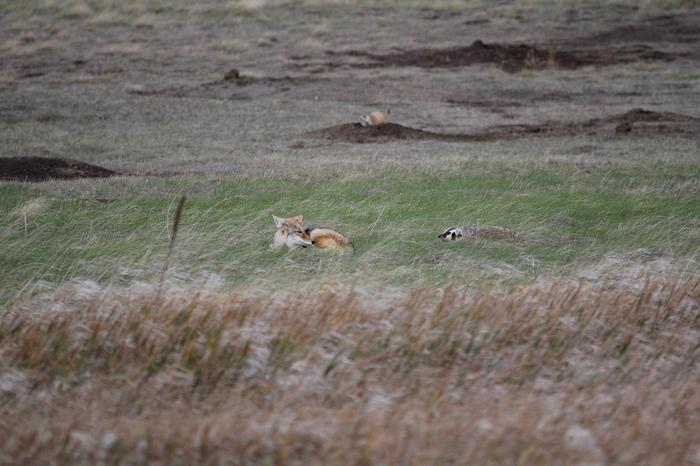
[[577, 344], [568, 221]]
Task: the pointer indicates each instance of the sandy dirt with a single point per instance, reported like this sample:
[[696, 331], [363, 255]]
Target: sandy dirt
[[43, 168]]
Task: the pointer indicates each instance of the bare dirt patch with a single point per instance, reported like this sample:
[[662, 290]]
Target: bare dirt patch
[[509, 57], [233, 86], [43, 168], [491, 105], [665, 28], [637, 121], [499, 107]]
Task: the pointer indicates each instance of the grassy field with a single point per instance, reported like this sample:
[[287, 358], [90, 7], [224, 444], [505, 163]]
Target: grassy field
[[568, 221], [576, 343]]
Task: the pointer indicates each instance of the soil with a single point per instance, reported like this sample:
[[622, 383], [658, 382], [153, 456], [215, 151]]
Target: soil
[[647, 40], [303, 75], [43, 168], [637, 121], [321, 73], [503, 108], [665, 28], [336, 71], [233, 86], [510, 57], [355, 132]]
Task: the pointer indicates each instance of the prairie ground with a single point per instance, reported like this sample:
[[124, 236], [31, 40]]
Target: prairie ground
[[574, 124]]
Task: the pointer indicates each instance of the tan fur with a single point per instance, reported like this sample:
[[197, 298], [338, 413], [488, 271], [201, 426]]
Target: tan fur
[[325, 238], [374, 119], [297, 219], [290, 233]]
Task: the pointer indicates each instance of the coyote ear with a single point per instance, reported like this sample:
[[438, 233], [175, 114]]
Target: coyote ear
[[298, 218], [278, 221]]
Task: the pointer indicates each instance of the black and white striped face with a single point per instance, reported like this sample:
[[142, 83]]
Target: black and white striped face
[[452, 234]]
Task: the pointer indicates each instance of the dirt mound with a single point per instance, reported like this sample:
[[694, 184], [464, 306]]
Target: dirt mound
[[509, 57], [355, 132], [636, 120], [637, 115], [642, 121], [43, 168]]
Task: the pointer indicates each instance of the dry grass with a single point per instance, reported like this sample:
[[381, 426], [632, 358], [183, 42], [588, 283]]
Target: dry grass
[[555, 373]]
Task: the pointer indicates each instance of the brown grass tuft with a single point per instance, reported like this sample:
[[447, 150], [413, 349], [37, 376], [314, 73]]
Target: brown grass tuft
[[173, 235], [557, 373]]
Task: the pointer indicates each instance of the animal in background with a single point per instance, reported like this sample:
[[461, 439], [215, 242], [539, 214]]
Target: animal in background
[[375, 118]]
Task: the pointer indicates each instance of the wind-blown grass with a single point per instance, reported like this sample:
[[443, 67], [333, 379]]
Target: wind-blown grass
[[393, 222], [556, 372], [575, 344]]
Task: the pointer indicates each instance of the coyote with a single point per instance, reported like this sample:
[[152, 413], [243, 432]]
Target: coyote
[[290, 232], [375, 118], [327, 238], [455, 233]]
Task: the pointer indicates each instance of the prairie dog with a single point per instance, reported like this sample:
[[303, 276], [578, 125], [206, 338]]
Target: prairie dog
[[375, 118]]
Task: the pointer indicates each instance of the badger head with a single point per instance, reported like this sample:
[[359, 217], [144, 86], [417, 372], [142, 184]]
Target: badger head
[[452, 234]]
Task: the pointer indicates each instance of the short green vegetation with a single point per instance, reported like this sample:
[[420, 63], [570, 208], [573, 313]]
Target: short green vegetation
[[567, 222]]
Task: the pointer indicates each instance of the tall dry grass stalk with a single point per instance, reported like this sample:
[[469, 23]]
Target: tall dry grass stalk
[[173, 236], [557, 373]]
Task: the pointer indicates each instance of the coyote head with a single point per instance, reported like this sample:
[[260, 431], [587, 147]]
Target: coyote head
[[290, 233], [452, 234]]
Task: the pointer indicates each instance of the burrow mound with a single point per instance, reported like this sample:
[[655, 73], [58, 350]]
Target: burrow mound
[[43, 168], [638, 121], [509, 57], [355, 132]]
